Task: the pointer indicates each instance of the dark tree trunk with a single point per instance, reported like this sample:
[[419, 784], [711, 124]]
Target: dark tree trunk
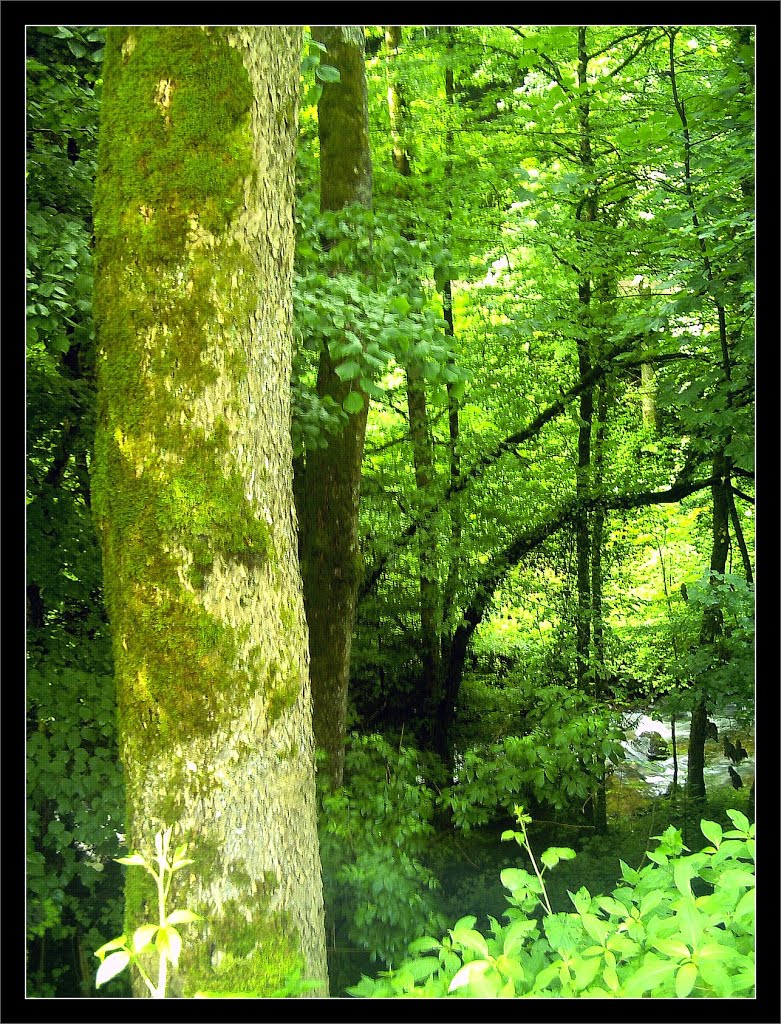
[[328, 484]]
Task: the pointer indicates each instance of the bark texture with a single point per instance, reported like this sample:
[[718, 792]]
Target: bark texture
[[328, 485], [192, 487]]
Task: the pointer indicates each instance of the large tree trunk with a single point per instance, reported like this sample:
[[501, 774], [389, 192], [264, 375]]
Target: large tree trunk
[[192, 489], [328, 485]]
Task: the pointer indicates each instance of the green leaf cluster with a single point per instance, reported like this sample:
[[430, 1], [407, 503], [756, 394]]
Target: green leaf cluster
[[682, 926]]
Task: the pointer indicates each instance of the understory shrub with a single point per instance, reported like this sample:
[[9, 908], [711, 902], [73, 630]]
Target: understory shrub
[[681, 926], [374, 832]]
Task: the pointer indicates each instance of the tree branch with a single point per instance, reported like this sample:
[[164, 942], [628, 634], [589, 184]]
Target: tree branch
[[569, 512], [605, 366]]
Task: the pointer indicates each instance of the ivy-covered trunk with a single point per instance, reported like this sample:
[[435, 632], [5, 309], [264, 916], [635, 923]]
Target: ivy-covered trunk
[[192, 489], [328, 485]]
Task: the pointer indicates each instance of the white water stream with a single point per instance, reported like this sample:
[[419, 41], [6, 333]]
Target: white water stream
[[655, 776]]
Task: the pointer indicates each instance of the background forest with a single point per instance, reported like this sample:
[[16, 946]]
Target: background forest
[[525, 339]]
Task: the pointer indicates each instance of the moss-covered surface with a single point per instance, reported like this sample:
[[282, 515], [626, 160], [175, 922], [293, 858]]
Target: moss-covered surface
[[175, 137], [260, 955], [175, 156], [180, 492]]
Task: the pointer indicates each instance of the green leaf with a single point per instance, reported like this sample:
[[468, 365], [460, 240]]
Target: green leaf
[[111, 966], [712, 832], [465, 922], [735, 878], [353, 402], [517, 934], [133, 860], [182, 862], [421, 968], [327, 73], [629, 874], [469, 973], [169, 943], [143, 936], [716, 951], [564, 931], [348, 370], [551, 857], [517, 878], [739, 820], [470, 939], [597, 929], [653, 973], [586, 971], [612, 906], [182, 917], [507, 991], [683, 872], [672, 947], [685, 979], [424, 944], [746, 906], [113, 944]]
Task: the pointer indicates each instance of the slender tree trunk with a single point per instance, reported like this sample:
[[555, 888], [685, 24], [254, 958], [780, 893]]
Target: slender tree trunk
[[648, 396], [597, 619], [586, 214], [192, 491], [454, 554], [328, 487], [429, 690], [738, 531], [720, 490]]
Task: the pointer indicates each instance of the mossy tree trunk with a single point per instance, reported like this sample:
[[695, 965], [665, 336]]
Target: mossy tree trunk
[[328, 484], [192, 490]]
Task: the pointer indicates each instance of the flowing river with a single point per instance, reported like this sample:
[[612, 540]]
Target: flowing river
[[652, 775]]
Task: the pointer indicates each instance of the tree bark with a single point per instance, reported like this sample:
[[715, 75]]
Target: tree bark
[[451, 672], [192, 491], [329, 485], [597, 618], [586, 214], [429, 689], [720, 489]]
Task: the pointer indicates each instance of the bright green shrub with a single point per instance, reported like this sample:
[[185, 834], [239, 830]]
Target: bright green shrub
[[564, 739], [680, 926]]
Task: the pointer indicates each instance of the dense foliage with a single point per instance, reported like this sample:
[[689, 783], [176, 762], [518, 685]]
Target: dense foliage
[[661, 932], [549, 312]]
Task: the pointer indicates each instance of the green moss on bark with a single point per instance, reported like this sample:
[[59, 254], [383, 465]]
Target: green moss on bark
[[246, 956], [175, 155]]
